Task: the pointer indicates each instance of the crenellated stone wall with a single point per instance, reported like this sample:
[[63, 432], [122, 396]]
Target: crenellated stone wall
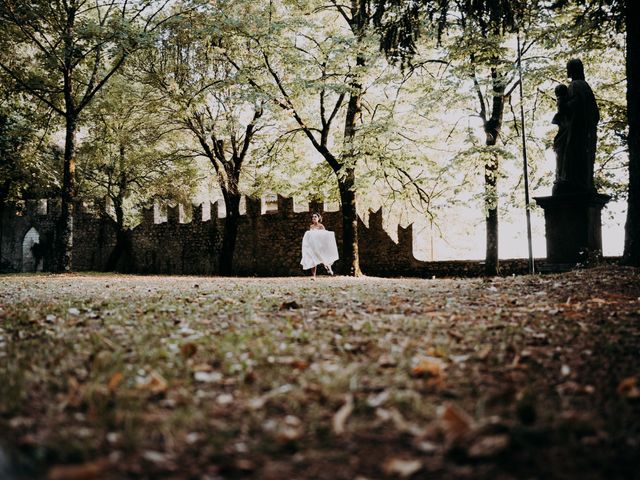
[[94, 234], [268, 243]]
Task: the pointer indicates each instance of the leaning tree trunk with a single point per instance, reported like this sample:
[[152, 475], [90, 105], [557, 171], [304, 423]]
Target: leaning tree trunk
[[492, 130], [631, 255], [65, 242], [230, 233]]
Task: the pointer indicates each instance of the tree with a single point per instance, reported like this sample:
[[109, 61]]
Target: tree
[[399, 28], [631, 255], [204, 98], [63, 52], [479, 30], [487, 38], [130, 156], [324, 51], [28, 163]]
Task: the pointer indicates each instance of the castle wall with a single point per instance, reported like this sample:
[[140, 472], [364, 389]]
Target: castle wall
[[17, 220], [172, 247], [268, 244]]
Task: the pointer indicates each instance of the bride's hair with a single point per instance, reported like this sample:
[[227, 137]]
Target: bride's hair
[[319, 216]]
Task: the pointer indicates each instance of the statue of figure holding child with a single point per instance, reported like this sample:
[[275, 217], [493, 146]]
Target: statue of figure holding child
[[575, 143], [572, 214]]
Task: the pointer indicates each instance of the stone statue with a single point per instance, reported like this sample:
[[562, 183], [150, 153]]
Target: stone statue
[[575, 142], [561, 119]]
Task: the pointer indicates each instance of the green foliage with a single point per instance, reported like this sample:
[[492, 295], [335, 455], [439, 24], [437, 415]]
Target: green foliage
[[53, 49], [29, 165], [201, 73], [129, 154], [193, 68]]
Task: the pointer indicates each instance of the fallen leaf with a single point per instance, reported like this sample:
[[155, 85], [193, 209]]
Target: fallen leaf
[[400, 467], [115, 380], [375, 401], [286, 430], [427, 367], [259, 402], [489, 446], [224, 399], [394, 300], [629, 388], [455, 421], [435, 352], [244, 465], [207, 377], [154, 457], [299, 365], [459, 358], [290, 305], [202, 367], [290, 430], [250, 377], [395, 417], [155, 383], [386, 361], [426, 446], [341, 416], [86, 471], [188, 350], [455, 335]]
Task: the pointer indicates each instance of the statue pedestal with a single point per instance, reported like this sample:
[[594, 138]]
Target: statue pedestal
[[573, 228]]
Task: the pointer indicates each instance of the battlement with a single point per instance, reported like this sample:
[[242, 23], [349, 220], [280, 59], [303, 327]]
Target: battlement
[[176, 238], [162, 212], [166, 212], [52, 208]]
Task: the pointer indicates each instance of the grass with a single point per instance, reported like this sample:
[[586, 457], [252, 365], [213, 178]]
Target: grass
[[112, 376]]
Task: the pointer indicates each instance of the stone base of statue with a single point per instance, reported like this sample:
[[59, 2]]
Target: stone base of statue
[[573, 229]]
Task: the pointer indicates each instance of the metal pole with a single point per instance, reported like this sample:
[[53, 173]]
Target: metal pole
[[524, 157]]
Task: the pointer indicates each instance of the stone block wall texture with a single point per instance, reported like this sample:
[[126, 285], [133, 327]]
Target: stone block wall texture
[[268, 244]]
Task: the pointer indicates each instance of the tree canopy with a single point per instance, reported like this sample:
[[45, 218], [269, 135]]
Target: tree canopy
[[407, 105]]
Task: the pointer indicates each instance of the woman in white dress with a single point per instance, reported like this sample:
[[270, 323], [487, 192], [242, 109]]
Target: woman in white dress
[[318, 246]]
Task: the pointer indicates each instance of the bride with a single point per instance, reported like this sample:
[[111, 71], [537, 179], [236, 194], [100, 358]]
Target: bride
[[318, 246]]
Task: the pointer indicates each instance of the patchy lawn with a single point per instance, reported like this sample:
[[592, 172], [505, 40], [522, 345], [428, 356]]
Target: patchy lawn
[[110, 377]]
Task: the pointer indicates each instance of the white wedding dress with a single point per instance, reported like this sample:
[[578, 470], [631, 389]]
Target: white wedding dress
[[318, 247]]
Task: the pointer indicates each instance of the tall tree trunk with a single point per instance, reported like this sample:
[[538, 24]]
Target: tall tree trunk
[[2, 204], [122, 237], [492, 129], [230, 233], [350, 256], [631, 255], [347, 176], [65, 243], [491, 220], [65, 237]]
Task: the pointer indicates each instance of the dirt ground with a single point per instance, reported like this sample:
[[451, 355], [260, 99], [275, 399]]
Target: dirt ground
[[114, 377]]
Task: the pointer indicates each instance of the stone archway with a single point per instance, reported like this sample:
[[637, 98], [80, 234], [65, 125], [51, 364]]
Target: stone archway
[[29, 261]]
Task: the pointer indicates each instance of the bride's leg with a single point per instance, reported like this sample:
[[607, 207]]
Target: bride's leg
[[313, 273]]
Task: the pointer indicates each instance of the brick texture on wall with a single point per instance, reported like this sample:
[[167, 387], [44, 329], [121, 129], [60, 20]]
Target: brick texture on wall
[[268, 244]]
